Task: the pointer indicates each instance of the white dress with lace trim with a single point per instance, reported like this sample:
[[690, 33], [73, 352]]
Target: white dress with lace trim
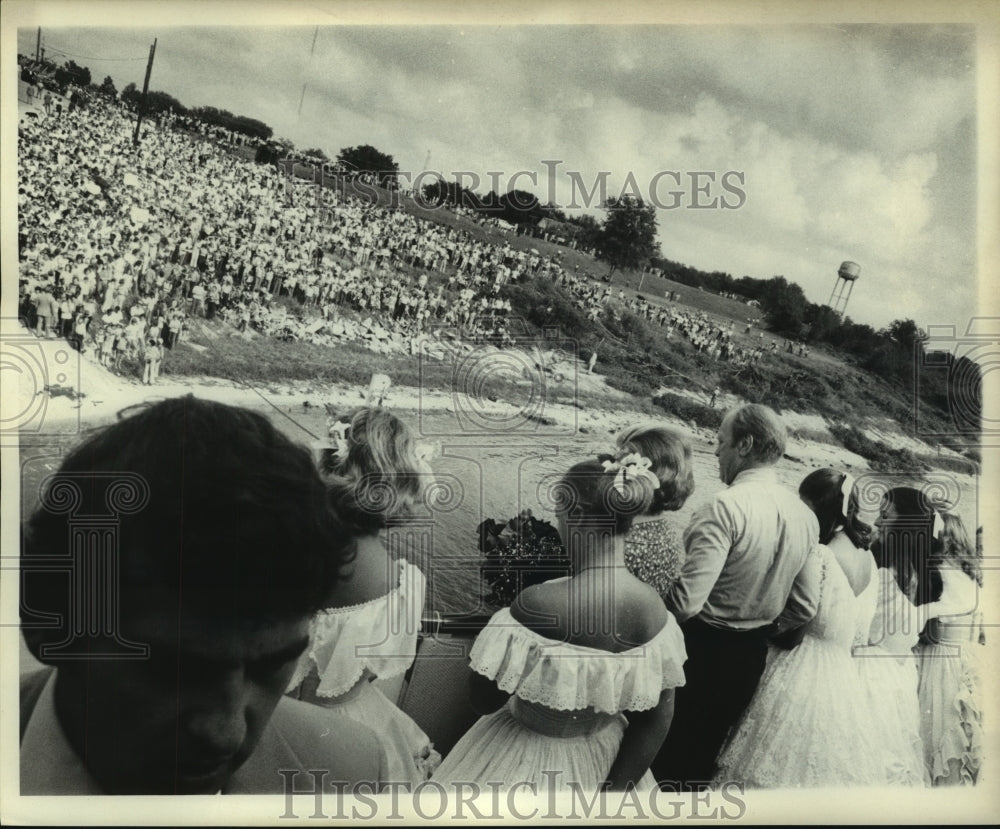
[[564, 723], [808, 724], [950, 684], [377, 636], [351, 645], [888, 670]]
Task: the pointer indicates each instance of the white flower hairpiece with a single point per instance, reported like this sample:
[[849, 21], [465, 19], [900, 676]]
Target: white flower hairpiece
[[938, 525], [634, 464], [846, 488]]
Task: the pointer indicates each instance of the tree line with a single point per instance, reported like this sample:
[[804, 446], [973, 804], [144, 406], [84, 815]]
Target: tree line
[[900, 353]]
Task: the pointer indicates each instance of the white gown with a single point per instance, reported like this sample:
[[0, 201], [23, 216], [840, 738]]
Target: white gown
[[951, 715], [808, 724], [564, 724], [349, 646], [888, 670]]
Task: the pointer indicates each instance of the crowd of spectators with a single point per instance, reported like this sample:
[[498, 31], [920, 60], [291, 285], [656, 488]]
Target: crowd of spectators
[[122, 246], [129, 243], [713, 338]]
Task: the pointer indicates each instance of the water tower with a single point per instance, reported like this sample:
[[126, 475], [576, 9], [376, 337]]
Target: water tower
[[846, 277]]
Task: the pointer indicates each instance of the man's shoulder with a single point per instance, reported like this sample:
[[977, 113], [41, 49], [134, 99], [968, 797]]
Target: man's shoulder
[[750, 493], [31, 685], [756, 482], [304, 737]]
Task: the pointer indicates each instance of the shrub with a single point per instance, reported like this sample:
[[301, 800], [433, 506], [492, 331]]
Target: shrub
[[881, 456], [688, 410], [630, 384], [952, 464], [531, 301], [812, 435]]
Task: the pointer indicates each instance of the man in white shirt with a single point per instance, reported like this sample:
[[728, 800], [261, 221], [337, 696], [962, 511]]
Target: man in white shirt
[[181, 552], [748, 575]]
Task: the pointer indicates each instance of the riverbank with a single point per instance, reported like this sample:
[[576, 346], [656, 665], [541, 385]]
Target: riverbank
[[84, 394], [515, 395]]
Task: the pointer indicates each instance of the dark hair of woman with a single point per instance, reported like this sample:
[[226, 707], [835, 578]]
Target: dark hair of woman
[[907, 544], [605, 492], [670, 455], [823, 491]]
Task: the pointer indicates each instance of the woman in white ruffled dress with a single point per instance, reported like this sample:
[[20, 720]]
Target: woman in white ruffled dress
[[907, 586], [808, 724], [576, 678], [369, 630], [951, 723]]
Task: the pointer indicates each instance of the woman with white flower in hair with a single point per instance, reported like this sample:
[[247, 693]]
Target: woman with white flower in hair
[[376, 476], [809, 723], [575, 679]]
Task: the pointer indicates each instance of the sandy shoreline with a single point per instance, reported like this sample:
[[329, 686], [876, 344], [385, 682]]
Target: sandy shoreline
[[59, 391]]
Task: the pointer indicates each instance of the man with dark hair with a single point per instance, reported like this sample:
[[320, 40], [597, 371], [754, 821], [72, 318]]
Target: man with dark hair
[[749, 574], [169, 576]]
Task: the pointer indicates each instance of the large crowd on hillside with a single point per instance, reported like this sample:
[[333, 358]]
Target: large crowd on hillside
[[142, 240], [123, 246]]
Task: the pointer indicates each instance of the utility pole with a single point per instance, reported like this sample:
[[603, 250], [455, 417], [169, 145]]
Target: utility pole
[[38, 45], [145, 89]]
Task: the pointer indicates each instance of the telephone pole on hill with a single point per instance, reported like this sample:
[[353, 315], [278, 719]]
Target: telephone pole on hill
[[145, 89]]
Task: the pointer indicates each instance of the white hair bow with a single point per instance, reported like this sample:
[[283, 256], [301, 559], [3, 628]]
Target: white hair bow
[[846, 488], [938, 524], [634, 464]]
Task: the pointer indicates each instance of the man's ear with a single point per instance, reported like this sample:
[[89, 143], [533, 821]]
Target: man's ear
[[745, 445]]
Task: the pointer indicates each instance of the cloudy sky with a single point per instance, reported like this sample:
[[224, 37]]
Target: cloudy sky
[[848, 142]]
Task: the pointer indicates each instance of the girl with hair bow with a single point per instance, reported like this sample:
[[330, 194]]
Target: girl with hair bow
[[654, 552], [950, 656], [376, 476], [575, 679]]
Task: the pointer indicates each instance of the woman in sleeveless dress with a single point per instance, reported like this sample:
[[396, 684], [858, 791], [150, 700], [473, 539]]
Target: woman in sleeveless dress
[[949, 652], [887, 665], [808, 724], [654, 552], [369, 629], [576, 678]]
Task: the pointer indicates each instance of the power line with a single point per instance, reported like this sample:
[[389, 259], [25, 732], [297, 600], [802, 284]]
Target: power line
[[58, 51], [311, 50]]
